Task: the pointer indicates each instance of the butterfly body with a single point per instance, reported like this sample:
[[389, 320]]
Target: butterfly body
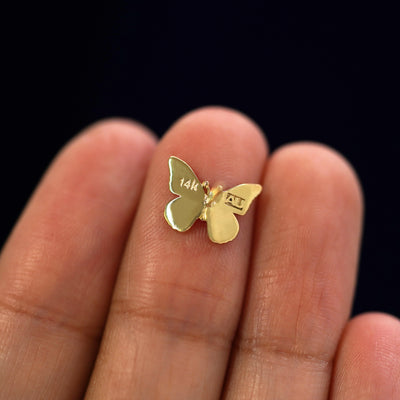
[[198, 201]]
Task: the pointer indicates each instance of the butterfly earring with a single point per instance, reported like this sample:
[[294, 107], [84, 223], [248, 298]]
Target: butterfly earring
[[213, 205]]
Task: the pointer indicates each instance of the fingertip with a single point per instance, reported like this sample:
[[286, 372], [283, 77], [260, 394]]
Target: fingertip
[[376, 331], [233, 128], [368, 358], [107, 151], [120, 124], [109, 132], [325, 166]]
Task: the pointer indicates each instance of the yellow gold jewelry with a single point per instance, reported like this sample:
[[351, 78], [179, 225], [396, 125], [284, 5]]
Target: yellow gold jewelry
[[215, 206]]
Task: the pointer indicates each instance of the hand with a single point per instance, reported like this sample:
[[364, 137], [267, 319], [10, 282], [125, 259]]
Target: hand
[[98, 295]]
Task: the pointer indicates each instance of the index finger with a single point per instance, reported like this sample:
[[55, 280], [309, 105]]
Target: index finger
[[58, 267]]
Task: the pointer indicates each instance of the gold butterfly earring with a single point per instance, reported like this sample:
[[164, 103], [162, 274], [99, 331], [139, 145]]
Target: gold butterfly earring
[[213, 205]]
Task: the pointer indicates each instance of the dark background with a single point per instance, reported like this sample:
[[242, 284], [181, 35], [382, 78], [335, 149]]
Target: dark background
[[303, 72]]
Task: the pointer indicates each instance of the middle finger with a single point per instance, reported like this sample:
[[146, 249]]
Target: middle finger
[[178, 295]]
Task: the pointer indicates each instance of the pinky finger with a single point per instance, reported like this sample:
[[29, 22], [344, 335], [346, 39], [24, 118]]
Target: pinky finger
[[367, 363]]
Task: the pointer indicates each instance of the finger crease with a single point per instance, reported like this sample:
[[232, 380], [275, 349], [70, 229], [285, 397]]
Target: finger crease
[[48, 317], [181, 328], [278, 353]]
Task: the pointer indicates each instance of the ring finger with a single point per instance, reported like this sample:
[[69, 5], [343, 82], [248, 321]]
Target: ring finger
[[302, 277]]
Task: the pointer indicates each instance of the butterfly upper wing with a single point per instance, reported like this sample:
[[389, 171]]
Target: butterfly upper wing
[[182, 212], [222, 225]]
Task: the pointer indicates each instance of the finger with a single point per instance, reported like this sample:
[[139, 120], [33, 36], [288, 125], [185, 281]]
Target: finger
[[368, 360], [178, 295], [302, 277], [57, 269]]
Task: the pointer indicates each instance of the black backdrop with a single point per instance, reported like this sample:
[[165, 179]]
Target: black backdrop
[[320, 72]]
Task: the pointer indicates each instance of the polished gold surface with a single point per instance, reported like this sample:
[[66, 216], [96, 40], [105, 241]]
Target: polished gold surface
[[222, 225], [215, 206]]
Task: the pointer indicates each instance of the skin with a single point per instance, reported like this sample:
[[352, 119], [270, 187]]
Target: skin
[[101, 299]]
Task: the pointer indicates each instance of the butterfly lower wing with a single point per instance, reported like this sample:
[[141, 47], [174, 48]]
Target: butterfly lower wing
[[222, 224], [182, 212]]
